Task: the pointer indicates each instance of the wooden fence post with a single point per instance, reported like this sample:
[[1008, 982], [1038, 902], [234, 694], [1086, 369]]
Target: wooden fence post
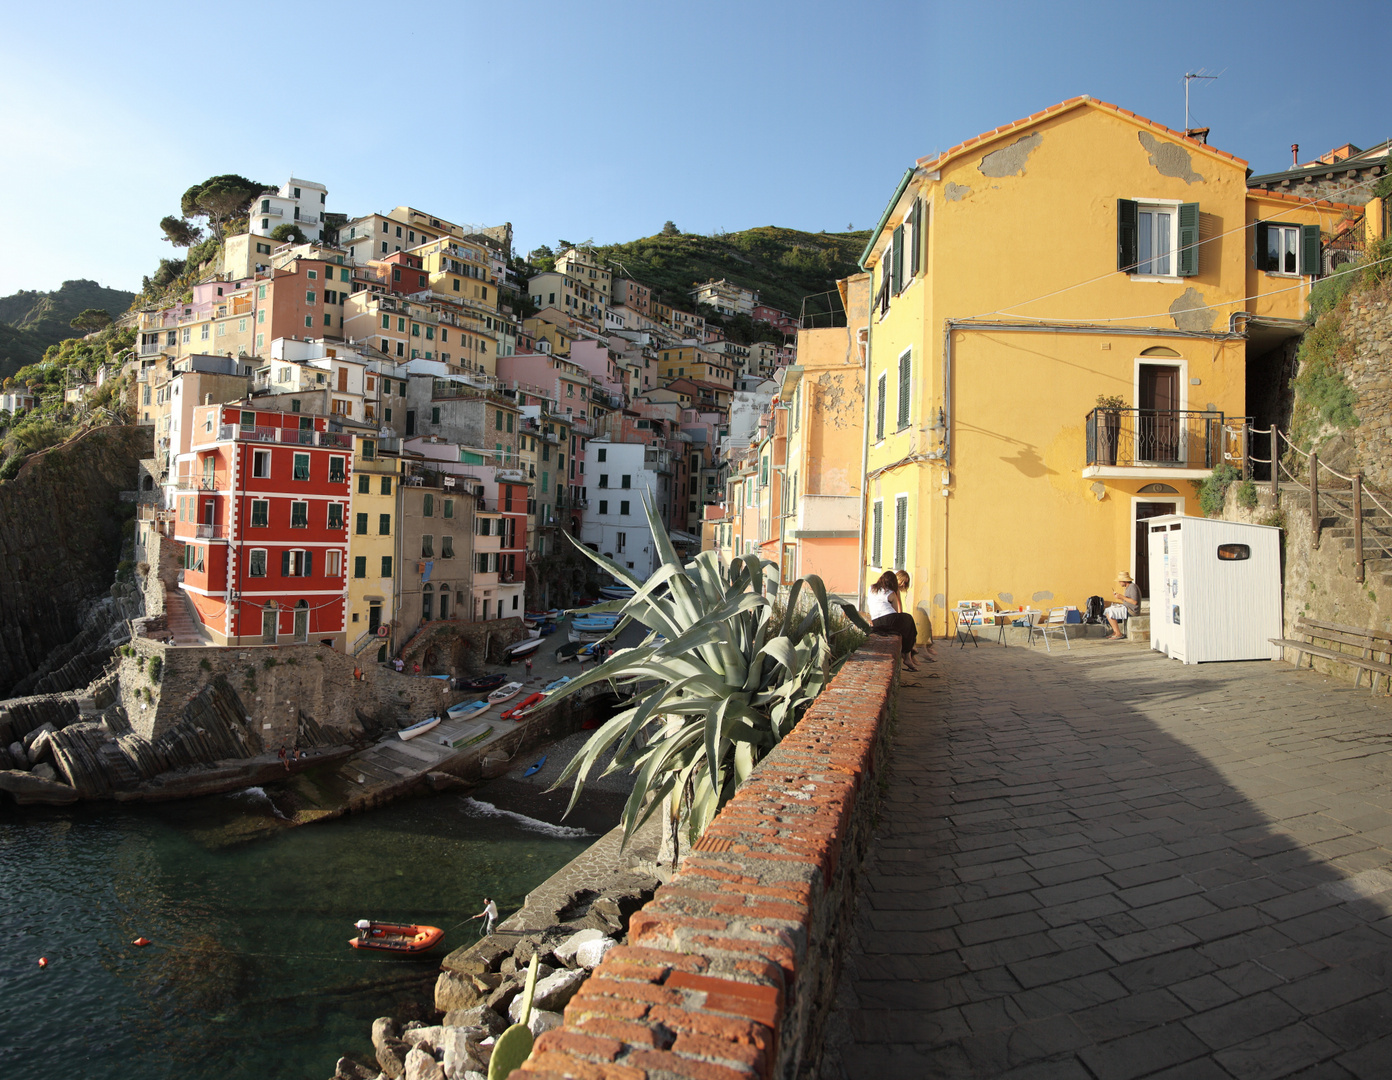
[[1314, 500], [1358, 522], [1275, 463], [1246, 452]]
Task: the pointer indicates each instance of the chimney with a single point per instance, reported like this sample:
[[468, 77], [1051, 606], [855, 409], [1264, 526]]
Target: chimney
[[1295, 154]]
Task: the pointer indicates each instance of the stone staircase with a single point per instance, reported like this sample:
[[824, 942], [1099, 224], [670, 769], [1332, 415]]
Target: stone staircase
[[183, 626]]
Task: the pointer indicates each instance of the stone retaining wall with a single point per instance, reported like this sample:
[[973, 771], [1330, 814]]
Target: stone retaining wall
[[309, 678], [731, 969]]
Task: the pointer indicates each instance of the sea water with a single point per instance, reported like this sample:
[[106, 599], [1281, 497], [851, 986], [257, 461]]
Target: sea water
[[249, 973]]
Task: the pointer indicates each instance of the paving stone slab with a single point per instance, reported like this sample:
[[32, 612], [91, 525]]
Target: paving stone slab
[[1122, 866]]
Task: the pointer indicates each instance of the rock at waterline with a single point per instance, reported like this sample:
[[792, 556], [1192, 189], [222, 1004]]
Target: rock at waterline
[[455, 991], [29, 739], [44, 771], [543, 1020], [480, 1016], [460, 1052], [421, 1066], [348, 1069], [32, 787], [565, 951], [591, 953], [553, 992], [391, 1051]]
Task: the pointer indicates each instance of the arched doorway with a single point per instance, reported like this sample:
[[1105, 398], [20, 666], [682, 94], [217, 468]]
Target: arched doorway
[[302, 621]]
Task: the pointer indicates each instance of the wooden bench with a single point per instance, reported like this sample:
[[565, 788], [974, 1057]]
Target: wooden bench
[[1370, 642]]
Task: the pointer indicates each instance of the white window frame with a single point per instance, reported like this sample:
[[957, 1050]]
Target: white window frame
[[257, 458], [251, 520], [1273, 227], [300, 507], [251, 562], [333, 563], [1171, 207]]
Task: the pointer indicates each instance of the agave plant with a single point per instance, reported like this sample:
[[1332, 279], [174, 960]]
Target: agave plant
[[718, 681]]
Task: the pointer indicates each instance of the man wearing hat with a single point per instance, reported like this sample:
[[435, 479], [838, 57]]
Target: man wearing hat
[[1129, 603]]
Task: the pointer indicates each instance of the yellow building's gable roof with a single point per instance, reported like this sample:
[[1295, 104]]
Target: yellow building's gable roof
[[977, 142], [1072, 104]]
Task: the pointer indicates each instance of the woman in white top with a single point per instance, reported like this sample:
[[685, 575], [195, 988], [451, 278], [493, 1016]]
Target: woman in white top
[[882, 602]]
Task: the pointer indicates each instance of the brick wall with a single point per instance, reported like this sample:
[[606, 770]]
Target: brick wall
[[731, 969]]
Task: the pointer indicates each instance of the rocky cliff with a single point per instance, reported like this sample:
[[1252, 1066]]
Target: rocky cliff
[[60, 541]]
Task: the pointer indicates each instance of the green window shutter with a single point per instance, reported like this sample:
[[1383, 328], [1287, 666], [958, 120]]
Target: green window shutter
[[360, 566], [1261, 261], [880, 394], [877, 534], [901, 531], [1128, 225], [284, 564], [896, 266], [1311, 262], [916, 217], [905, 367], [1188, 239]]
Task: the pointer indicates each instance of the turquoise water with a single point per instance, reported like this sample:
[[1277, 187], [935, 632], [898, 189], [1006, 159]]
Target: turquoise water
[[250, 973]]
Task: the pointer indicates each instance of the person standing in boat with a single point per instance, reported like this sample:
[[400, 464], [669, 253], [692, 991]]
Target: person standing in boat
[[490, 914], [364, 929]]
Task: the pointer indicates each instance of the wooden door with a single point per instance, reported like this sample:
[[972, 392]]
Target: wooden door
[[1157, 434], [268, 626], [1145, 511]]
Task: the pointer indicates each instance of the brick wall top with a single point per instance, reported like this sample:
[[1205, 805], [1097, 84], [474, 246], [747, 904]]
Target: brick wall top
[[725, 975]]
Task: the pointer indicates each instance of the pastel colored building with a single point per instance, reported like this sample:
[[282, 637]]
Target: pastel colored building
[[1036, 393], [261, 508]]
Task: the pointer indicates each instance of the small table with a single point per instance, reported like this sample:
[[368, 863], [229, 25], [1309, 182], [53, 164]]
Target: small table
[[1009, 618]]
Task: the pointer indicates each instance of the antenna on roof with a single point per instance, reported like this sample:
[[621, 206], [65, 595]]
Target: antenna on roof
[[1189, 76]]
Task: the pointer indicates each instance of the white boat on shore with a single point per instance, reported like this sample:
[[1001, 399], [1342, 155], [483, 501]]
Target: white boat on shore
[[408, 733]]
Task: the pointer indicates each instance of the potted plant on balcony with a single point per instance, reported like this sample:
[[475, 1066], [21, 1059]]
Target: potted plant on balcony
[[1109, 408]]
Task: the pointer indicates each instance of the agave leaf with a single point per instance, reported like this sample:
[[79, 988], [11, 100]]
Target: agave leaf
[[791, 610], [854, 616], [616, 571]]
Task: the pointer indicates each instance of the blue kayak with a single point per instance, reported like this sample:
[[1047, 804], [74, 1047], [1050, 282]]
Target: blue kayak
[[537, 767]]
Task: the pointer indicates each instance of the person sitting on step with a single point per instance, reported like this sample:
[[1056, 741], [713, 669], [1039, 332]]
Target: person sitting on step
[[1128, 604]]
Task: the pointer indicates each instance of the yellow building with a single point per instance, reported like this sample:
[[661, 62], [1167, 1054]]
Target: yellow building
[[1066, 314], [691, 362], [373, 557]]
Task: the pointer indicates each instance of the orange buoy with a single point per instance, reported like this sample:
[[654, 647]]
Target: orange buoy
[[141, 941], [43, 961]]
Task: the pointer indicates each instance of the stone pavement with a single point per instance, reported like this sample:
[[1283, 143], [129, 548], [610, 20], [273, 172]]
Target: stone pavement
[[1104, 864]]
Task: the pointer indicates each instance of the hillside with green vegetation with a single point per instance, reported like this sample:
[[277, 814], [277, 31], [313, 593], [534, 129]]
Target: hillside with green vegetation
[[784, 265], [32, 321]]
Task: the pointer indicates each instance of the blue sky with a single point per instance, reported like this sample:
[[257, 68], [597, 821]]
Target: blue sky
[[603, 120]]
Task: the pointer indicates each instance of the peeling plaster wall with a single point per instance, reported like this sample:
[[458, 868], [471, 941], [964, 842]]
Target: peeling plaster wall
[[955, 192], [1010, 160], [1170, 159], [1191, 313]]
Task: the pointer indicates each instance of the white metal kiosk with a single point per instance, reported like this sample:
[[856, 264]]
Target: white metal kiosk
[[1215, 589]]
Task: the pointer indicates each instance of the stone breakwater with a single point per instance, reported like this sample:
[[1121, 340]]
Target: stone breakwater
[[730, 969], [569, 923]]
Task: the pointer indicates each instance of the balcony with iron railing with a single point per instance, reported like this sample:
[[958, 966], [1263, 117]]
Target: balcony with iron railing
[[210, 532], [203, 482], [1143, 442], [287, 436]]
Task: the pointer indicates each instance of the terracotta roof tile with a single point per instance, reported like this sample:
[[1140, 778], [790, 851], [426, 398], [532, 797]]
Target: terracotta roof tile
[[1262, 193], [1070, 103]]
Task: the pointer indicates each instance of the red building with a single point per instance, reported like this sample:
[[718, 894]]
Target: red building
[[263, 511], [780, 320]]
